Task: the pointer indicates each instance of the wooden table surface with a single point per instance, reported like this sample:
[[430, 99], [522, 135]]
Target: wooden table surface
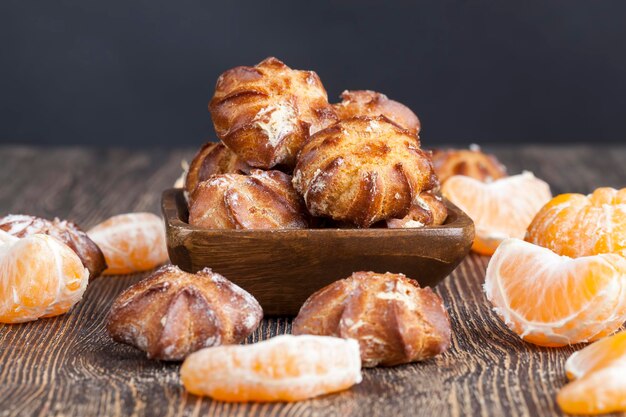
[[68, 366]]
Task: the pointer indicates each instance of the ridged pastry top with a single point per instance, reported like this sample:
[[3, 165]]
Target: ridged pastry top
[[428, 209], [393, 319], [266, 112], [471, 163], [261, 200], [173, 313], [362, 170], [213, 159], [21, 225], [371, 103]]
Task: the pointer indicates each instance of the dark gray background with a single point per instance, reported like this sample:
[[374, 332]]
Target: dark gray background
[[141, 73]]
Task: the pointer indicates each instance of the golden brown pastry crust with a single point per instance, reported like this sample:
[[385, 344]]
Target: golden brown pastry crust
[[265, 113], [371, 103], [428, 209], [261, 200], [469, 162], [21, 225], [393, 319], [173, 313], [362, 170], [213, 159]]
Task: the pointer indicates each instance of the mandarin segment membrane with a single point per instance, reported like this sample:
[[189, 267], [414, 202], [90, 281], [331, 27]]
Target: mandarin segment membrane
[[20, 226]]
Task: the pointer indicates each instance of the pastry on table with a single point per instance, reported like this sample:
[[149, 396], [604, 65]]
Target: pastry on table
[[213, 159], [469, 162], [173, 313], [261, 200], [21, 225], [393, 319], [362, 170], [265, 113], [428, 209], [371, 103]]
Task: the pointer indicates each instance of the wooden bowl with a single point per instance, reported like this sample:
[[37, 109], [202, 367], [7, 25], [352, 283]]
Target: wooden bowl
[[282, 268]]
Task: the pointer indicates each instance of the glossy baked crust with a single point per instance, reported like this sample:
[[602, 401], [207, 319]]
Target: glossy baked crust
[[173, 313], [265, 113], [428, 209], [261, 200], [213, 159], [469, 162], [362, 170], [371, 103], [20, 225], [393, 319]]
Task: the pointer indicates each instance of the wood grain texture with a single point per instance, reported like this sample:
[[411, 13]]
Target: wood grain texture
[[68, 366]]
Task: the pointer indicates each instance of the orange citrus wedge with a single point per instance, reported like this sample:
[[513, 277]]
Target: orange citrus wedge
[[554, 300], [578, 225], [131, 242], [284, 368], [599, 373], [39, 277], [500, 209]]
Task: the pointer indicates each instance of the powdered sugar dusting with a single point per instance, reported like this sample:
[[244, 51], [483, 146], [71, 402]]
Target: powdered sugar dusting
[[372, 126], [276, 122]]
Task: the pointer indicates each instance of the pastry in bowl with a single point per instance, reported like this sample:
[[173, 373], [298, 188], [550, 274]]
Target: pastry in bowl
[[371, 103], [469, 162], [265, 113], [261, 200], [428, 209], [173, 313], [393, 319], [213, 159], [362, 170], [21, 225]]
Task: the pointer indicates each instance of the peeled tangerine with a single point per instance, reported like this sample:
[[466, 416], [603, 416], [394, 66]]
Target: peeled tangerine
[[599, 378], [131, 242], [500, 209], [284, 368], [582, 225], [39, 277], [553, 300]]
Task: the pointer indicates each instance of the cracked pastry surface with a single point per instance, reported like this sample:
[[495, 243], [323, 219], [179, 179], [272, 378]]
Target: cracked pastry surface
[[428, 209], [21, 225], [173, 313], [371, 103], [261, 200], [362, 170], [265, 113], [469, 162], [393, 319], [213, 159]]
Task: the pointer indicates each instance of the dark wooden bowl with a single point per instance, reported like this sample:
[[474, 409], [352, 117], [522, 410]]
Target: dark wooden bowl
[[282, 268]]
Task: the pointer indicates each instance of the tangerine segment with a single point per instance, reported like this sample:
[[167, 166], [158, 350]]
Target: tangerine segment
[[39, 277], [131, 242], [608, 351], [553, 300], [599, 392], [284, 368], [578, 225], [500, 209]]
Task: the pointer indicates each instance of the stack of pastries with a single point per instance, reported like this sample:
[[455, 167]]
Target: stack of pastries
[[287, 158]]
